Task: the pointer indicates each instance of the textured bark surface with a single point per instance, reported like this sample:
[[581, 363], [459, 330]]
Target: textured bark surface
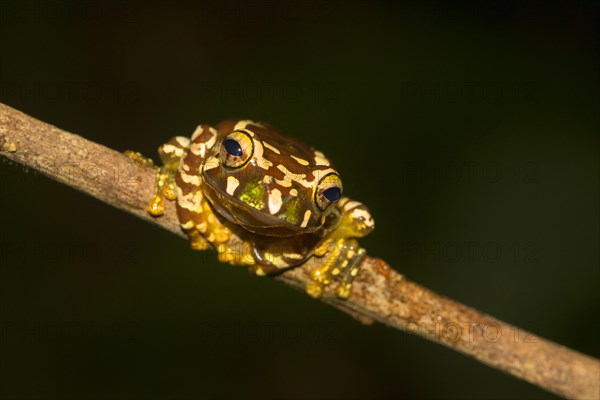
[[379, 293]]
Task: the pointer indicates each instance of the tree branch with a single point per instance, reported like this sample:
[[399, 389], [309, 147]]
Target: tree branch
[[379, 293]]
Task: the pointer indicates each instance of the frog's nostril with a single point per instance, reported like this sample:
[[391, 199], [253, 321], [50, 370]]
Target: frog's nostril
[[233, 147]]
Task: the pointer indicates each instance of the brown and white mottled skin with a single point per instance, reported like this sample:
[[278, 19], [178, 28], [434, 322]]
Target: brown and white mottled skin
[[280, 196]]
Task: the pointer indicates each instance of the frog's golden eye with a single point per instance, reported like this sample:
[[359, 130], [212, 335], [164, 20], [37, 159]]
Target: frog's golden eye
[[328, 191], [236, 149]]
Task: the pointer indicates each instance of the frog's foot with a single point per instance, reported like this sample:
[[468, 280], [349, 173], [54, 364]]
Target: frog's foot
[[197, 241], [170, 154], [163, 187], [239, 254], [156, 206], [339, 262], [139, 158], [205, 230]]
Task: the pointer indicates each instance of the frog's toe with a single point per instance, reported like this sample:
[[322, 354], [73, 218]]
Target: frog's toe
[[156, 206], [257, 270], [314, 289], [343, 291], [222, 234], [139, 158], [226, 257], [169, 191], [197, 241], [236, 255]]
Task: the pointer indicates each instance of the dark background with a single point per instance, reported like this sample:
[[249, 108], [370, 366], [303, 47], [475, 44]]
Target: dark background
[[471, 133]]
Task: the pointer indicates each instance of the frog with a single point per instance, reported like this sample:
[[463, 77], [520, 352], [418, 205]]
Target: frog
[[281, 198]]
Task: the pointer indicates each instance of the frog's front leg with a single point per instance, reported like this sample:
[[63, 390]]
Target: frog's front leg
[[170, 154], [196, 215], [339, 254], [193, 211]]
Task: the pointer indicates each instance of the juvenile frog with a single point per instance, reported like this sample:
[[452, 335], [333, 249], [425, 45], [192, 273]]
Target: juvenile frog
[[282, 198]]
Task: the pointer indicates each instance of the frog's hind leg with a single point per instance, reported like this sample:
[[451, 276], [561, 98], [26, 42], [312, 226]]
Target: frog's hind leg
[[203, 228], [196, 216], [191, 205]]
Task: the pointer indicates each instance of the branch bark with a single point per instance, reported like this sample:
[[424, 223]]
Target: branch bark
[[379, 293]]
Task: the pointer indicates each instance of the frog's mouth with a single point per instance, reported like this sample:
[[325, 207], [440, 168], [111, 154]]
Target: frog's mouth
[[249, 218]]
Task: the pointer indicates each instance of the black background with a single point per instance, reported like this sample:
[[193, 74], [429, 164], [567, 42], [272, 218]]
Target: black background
[[471, 132]]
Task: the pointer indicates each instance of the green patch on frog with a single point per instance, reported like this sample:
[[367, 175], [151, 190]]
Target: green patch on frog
[[253, 194], [292, 212]]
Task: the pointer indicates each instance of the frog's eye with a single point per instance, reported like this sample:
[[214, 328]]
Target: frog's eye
[[328, 191], [236, 149]]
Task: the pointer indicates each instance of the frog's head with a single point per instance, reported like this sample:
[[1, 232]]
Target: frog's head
[[268, 183]]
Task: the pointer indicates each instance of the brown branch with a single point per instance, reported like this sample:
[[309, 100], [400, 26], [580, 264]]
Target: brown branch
[[379, 293]]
